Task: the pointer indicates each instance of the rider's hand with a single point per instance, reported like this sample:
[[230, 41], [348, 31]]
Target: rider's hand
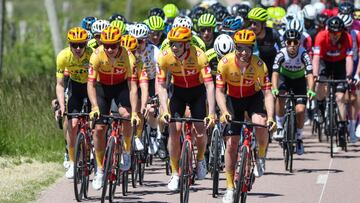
[[165, 117], [94, 110], [275, 92], [272, 124], [316, 78], [349, 79], [311, 94], [357, 79], [225, 117], [135, 120], [209, 120]]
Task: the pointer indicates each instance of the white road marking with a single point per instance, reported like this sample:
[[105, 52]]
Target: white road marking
[[321, 179], [325, 181]]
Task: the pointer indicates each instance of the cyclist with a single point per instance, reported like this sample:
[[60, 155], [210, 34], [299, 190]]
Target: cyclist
[[305, 39], [193, 85], [333, 59], [156, 34], [75, 59], [293, 68], [119, 24], [112, 75], [244, 75], [309, 13], [147, 53], [170, 12], [96, 28], [117, 16], [87, 22], [267, 39], [206, 28]]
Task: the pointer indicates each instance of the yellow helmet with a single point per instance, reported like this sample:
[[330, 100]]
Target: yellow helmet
[[77, 35], [245, 37], [179, 34], [110, 35], [129, 42]]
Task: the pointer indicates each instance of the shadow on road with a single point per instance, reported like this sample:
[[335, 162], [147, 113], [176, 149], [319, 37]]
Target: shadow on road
[[265, 195], [278, 174], [319, 170]]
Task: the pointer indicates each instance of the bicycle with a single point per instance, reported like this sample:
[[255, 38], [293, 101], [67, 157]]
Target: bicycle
[[290, 129], [112, 158], [216, 160], [246, 160], [317, 125], [332, 113], [187, 159]]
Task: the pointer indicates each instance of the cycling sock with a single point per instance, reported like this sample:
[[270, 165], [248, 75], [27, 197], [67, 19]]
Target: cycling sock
[[262, 151], [127, 143], [299, 133], [71, 153], [280, 121], [200, 153], [99, 158], [229, 180], [174, 162]]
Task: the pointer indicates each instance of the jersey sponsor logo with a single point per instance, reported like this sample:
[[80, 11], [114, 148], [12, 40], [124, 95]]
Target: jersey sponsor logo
[[207, 70], [260, 63], [251, 69], [198, 53], [224, 60], [190, 72], [119, 70], [333, 53], [144, 73], [219, 77], [248, 82], [91, 70], [164, 53]]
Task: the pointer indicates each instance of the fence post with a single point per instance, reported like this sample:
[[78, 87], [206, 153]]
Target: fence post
[[54, 25], [2, 20], [128, 9]]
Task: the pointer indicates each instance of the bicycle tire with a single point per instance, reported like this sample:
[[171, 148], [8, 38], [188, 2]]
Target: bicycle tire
[[241, 173], [285, 143], [215, 168], [109, 154], [292, 139], [331, 127], [113, 184], [134, 169], [125, 182], [319, 131], [141, 170], [185, 172], [79, 167], [91, 166], [167, 167]]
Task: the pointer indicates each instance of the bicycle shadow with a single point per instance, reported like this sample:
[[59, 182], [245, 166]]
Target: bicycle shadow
[[278, 174], [264, 195], [318, 170]]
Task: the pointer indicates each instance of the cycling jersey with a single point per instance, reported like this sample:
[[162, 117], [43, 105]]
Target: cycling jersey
[[76, 68], [330, 52], [213, 60], [293, 67], [242, 81], [149, 59], [191, 72], [92, 44], [195, 40], [112, 72], [355, 37]]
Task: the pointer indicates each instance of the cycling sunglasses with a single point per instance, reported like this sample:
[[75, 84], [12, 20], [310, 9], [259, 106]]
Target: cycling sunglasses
[[241, 48], [153, 32], [77, 45], [292, 42], [204, 29], [112, 46]]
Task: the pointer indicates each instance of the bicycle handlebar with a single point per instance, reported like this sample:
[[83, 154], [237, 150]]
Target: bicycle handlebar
[[292, 96], [331, 81], [77, 114], [248, 124], [116, 118], [186, 119]]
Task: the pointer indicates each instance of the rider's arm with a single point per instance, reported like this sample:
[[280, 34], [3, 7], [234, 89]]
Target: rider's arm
[[60, 92], [133, 89], [209, 84], [161, 73], [316, 55], [279, 59], [132, 76], [266, 88], [91, 89], [220, 88], [315, 65], [349, 58], [144, 86], [305, 58]]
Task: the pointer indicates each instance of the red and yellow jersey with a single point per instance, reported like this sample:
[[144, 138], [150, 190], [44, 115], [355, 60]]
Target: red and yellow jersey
[[193, 71], [242, 81], [76, 68], [108, 72]]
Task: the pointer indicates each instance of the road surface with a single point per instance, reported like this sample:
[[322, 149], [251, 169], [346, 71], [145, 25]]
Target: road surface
[[316, 178]]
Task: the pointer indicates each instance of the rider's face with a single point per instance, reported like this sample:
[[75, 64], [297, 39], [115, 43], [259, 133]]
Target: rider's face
[[178, 48], [243, 52], [292, 46], [111, 49]]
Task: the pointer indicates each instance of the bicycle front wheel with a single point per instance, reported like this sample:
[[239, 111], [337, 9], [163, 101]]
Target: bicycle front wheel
[[215, 161], [240, 182], [109, 172], [80, 167], [185, 176]]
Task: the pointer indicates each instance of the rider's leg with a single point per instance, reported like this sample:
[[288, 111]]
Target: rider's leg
[[230, 159], [261, 134], [300, 117], [174, 146]]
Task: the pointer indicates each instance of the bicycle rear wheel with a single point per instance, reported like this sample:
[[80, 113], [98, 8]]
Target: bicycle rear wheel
[[241, 166], [291, 139], [125, 182], [109, 177], [185, 176], [80, 167], [285, 144], [215, 161], [331, 126]]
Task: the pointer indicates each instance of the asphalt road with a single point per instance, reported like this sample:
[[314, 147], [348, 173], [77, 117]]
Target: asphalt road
[[316, 178]]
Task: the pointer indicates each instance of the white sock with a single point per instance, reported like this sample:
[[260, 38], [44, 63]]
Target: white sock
[[280, 121], [299, 133]]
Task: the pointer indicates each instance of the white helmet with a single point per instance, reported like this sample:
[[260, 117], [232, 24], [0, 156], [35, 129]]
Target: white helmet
[[267, 3], [293, 9], [182, 21], [295, 24], [309, 12], [98, 26], [139, 31], [319, 7], [223, 45], [346, 18]]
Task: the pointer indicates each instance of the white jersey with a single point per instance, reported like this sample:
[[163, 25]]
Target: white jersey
[[149, 57]]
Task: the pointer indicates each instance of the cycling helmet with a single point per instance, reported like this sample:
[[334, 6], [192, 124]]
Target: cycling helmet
[[346, 18], [295, 24], [110, 35], [267, 3], [117, 16], [207, 20], [319, 7], [258, 14], [242, 10], [129, 42], [182, 21], [292, 34], [321, 19], [245, 37], [87, 22], [220, 15], [223, 45], [119, 24], [335, 24], [98, 26], [309, 12], [77, 35], [156, 12], [179, 34], [170, 10], [231, 23], [234, 8], [197, 12], [90, 36], [346, 8], [156, 23], [140, 31], [293, 9]]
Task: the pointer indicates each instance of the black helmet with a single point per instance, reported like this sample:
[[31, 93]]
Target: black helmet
[[242, 10], [220, 15], [292, 34], [117, 16], [156, 12], [197, 12], [321, 19], [234, 9], [346, 8], [335, 24]]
